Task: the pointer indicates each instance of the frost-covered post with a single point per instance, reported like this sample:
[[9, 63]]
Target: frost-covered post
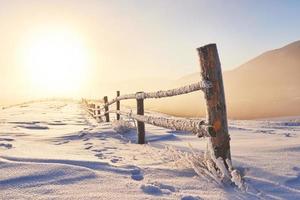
[[89, 108], [215, 104], [106, 108], [140, 111], [93, 110], [118, 105], [99, 112]]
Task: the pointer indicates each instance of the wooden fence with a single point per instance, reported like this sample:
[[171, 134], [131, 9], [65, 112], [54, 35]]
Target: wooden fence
[[211, 83], [198, 127]]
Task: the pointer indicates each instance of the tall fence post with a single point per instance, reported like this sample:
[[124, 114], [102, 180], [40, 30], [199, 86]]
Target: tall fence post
[[215, 101], [118, 106], [106, 108], [140, 111]]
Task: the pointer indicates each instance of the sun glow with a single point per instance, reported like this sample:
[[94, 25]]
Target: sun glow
[[56, 62]]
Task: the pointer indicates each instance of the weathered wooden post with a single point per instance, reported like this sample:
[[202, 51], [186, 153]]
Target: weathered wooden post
[[90, 109], [118, 105], [106, 108], [215, 102], [99, 112], [140, 111], [93, 106]]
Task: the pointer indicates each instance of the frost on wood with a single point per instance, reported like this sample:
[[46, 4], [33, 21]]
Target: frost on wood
[[201, 164], [218, 161], [178, 91], [202, 85], [197, 127], [217, 167], [165, 93]]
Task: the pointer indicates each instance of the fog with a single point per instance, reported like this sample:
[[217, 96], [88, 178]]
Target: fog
[[266, 86]]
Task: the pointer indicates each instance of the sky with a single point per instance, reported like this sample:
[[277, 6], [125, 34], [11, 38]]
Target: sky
[[130, 39]]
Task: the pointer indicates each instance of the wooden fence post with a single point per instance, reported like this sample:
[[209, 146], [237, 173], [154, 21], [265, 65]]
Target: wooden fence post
[[118, 105], [106, 109], [93, 110], [99, 112], [215, 101], [89, 108], [140, 111]]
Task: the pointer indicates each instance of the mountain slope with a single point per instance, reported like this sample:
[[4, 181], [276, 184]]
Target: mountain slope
[[266, 86]]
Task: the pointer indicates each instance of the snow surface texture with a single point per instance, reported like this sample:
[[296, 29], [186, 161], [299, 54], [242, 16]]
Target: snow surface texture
[[55, 150]]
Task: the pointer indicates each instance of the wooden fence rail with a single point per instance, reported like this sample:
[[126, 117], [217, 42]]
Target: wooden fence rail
[[215, 127], [194, 126], [202, 85], [167, 93], [197, 127]]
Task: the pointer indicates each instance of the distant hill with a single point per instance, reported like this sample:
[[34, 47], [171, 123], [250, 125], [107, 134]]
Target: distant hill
[[266, 86]]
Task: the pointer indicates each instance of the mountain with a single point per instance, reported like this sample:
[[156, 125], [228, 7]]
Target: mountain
[[266, 86]]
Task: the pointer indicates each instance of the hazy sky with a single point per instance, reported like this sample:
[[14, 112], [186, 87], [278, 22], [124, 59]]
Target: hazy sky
[[133, 38]]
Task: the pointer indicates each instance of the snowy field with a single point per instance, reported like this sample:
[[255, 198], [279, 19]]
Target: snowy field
[[55, 150]]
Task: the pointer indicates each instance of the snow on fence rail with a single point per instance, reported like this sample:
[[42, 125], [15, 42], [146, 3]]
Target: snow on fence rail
[[167, 93], [215, 127], [197, 127]]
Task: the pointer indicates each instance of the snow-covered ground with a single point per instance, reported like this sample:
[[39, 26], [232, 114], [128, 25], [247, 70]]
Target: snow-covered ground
[[55, 150]]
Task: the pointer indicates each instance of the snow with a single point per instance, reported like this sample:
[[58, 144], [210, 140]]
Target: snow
[[55, 150]]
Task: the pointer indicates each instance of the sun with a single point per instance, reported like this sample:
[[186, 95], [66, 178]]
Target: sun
[[56, 61]]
